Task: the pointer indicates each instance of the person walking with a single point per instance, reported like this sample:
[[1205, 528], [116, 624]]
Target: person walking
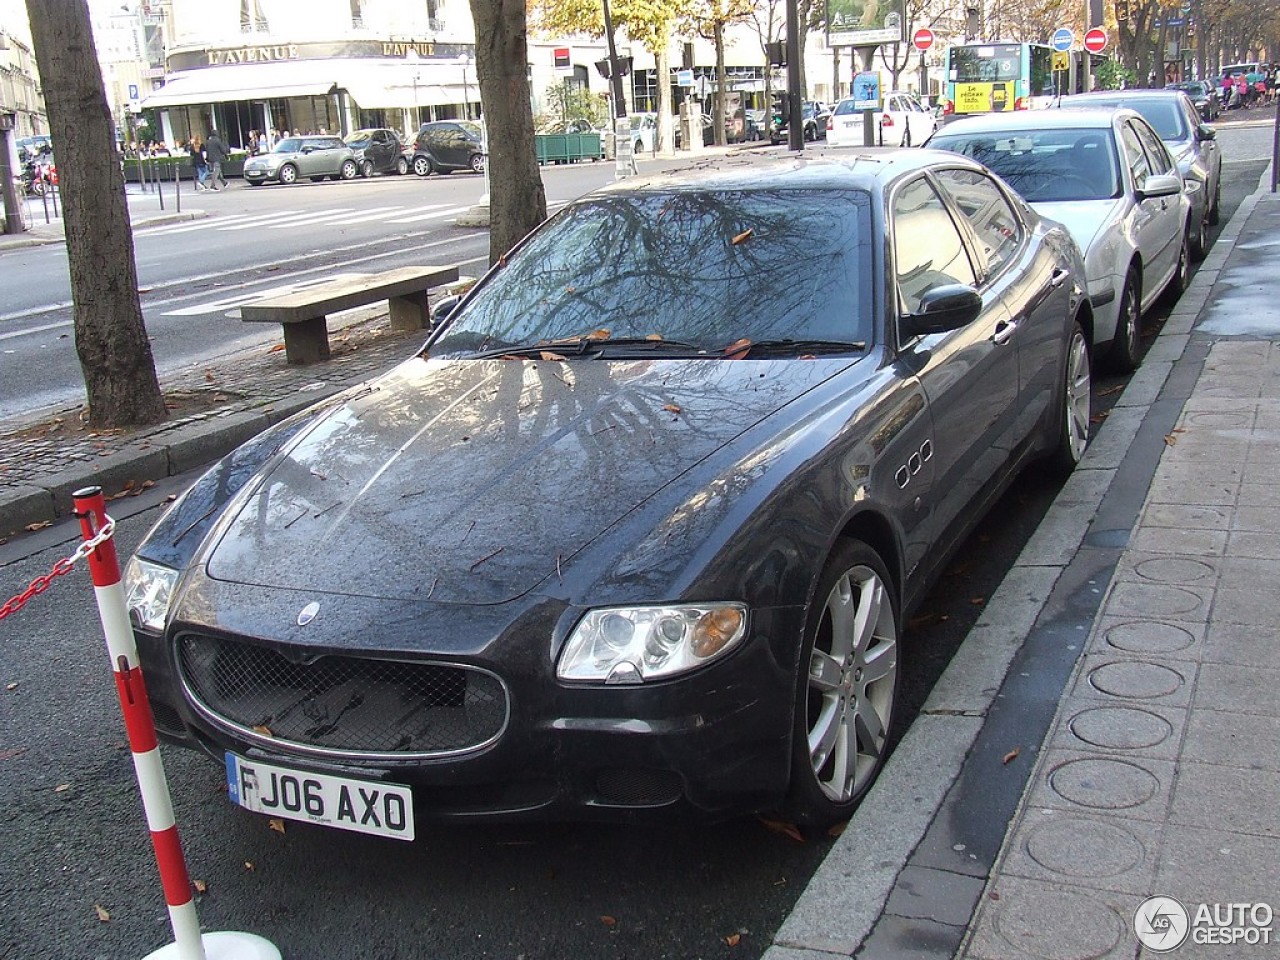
[[196, 150], [215, 154]]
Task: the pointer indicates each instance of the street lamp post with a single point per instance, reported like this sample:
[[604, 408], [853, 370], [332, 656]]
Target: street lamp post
[[411, 57], [465, 60]]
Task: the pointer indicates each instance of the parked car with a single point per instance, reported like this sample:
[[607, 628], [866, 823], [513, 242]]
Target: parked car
[[443, 146], [904, 122], [814, 113], [1204, 97], [316, 157], [378, 150], [644, 132], [1192, 143], [641, 525], [1111, 180]]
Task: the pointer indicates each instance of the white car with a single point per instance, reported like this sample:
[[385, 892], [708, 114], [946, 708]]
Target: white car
[[1107, 176], [904, 122]]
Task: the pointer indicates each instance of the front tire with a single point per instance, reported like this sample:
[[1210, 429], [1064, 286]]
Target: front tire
[[1075, 406], [423, 166], [366, 169], [846, 688], [288, 174]]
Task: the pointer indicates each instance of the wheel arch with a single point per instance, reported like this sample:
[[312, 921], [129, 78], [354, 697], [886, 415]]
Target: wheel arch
[[874, 529]]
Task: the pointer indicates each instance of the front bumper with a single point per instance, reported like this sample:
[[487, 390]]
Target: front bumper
[[716, 741]]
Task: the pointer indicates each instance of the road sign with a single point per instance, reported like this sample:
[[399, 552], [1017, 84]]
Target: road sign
[[1095, 41], [1061, 60], [684, 78], [1064, 38], [922, 39]]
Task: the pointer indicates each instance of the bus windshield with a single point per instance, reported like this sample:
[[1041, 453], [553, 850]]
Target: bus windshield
[[985, 63]]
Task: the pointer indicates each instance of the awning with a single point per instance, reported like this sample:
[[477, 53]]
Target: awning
[[372, 83], [245, 81]]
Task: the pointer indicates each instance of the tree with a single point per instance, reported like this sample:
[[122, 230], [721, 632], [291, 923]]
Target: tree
[[517, 199], [111, 338], [709, 19]]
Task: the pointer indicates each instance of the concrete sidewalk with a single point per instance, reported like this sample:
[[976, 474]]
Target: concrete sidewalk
[[1110, 730]]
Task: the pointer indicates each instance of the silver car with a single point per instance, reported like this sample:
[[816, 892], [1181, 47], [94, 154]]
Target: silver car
[[316, 157], [1108, 177], [1191, 141]]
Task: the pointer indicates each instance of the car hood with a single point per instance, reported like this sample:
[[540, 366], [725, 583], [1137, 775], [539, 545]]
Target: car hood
[[472, 481], [1085, 220]]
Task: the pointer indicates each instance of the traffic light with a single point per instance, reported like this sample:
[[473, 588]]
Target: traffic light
[[781, 109], [777, 52], [1122, 10]]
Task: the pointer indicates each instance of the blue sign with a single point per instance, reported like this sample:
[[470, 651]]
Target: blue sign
[[1063, 39], [866, 90], [133, 91]]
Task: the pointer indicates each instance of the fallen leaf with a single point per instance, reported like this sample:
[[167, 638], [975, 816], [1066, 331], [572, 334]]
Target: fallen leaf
[[10, 754], [62, 788], [200, 885], [672, 408], [248, 864], [784, 828], [32, 527], [656, 337], [609, 921], [570, 289], [264, 730], [993, 895], [1011, 755], [277, 348], [738, 349], [978, 601], [601, 334], [733, 939], [170, 498], [550, 357], [11, 686], [1170, 439], [276, 825], [208, 375], [743, 237], [1110, 390], [837, 829], [102, 913]]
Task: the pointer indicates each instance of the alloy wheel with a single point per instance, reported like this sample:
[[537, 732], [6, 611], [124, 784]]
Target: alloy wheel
[[852, 684], [1078, 398]]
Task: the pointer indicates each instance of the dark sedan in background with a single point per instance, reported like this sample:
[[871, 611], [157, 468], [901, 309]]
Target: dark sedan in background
[[638, 529]]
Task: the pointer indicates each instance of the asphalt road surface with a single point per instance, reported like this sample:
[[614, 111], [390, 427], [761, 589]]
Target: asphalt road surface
[[77, 876]]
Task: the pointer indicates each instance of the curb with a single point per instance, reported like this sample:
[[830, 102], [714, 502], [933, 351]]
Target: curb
[[43, 236], [848, 899]]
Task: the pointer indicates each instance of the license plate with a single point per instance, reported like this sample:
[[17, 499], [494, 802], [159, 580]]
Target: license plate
[[382, 809]]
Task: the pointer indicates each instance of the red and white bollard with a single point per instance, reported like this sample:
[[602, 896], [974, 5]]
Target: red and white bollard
[[189, 943]]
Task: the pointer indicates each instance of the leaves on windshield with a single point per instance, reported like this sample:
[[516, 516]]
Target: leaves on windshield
[[548, 355], [738, 349], [743, 237]]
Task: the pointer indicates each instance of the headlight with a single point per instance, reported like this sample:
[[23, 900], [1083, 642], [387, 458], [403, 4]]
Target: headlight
[[634, 644], [148, 589]]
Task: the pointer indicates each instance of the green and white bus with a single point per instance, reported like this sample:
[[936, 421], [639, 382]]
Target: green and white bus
[[992, 77]]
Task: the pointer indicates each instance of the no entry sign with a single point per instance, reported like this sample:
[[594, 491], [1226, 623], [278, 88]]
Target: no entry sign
[[922, 39], [1095, 41]]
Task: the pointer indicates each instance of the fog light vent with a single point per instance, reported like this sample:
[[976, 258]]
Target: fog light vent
[[637, 788]]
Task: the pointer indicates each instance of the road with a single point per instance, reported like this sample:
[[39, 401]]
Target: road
[[76, 839], [193, 276]]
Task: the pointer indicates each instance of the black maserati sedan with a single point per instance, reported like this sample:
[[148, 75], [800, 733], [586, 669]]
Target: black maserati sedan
[[637, 530]]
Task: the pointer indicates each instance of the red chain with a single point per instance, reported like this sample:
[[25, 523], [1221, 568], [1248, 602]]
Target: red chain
[[60, 568]]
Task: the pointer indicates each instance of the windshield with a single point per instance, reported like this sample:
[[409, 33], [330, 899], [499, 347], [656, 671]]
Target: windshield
[[358, 139], [1045, 165], [1162, 114], [986, 63], [288, 145], [707, 268]]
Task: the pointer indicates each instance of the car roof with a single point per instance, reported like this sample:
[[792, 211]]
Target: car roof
[[1163, 93], [1049, 119], [866, 169]]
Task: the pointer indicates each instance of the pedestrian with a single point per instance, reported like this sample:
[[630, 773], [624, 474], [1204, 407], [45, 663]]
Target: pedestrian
[[263, 145], [215, 153], [196, 150]]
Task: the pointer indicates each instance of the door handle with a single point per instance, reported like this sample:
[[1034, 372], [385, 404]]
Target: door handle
[[1004, 331], [1059, 277]]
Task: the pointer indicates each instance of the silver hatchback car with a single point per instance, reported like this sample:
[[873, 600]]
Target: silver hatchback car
[[316, 157]]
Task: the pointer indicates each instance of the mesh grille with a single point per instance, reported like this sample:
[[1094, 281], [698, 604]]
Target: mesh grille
[[343, 704], [638, 788]]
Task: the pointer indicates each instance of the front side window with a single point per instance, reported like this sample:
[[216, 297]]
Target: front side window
[[706, 268], [1135, 157], [928, 249]]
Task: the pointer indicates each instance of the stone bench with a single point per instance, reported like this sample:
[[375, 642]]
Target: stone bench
[[302, 313]]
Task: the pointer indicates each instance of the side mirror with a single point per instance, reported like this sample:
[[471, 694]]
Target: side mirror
[[1161, 185], [444, 308], [1206, 132], [944, 308]]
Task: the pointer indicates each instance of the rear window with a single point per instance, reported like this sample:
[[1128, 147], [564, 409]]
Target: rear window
[[1045, 165], [1165, 114]]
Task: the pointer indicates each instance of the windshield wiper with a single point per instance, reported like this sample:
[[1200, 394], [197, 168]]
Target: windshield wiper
[[579, 346], [785, 346]]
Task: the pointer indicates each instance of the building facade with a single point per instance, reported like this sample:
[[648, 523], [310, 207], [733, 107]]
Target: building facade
[[21, 103]]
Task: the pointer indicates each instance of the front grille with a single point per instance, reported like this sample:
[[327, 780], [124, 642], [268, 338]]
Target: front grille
[[342, 705]]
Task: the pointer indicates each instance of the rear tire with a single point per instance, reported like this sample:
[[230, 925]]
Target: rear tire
[[1074, 407], [349, 170], [1181, 278], [1123, 355], [1215, 211], [478, 162], [846, 687], [402, 166]]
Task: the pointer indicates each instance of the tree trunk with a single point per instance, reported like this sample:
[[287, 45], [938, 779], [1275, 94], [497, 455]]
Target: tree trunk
[[666, 129], [717, 123], [517, 200], [111, 339]]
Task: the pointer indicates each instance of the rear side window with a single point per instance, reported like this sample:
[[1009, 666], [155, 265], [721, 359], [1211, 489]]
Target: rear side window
[[997, 227]]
